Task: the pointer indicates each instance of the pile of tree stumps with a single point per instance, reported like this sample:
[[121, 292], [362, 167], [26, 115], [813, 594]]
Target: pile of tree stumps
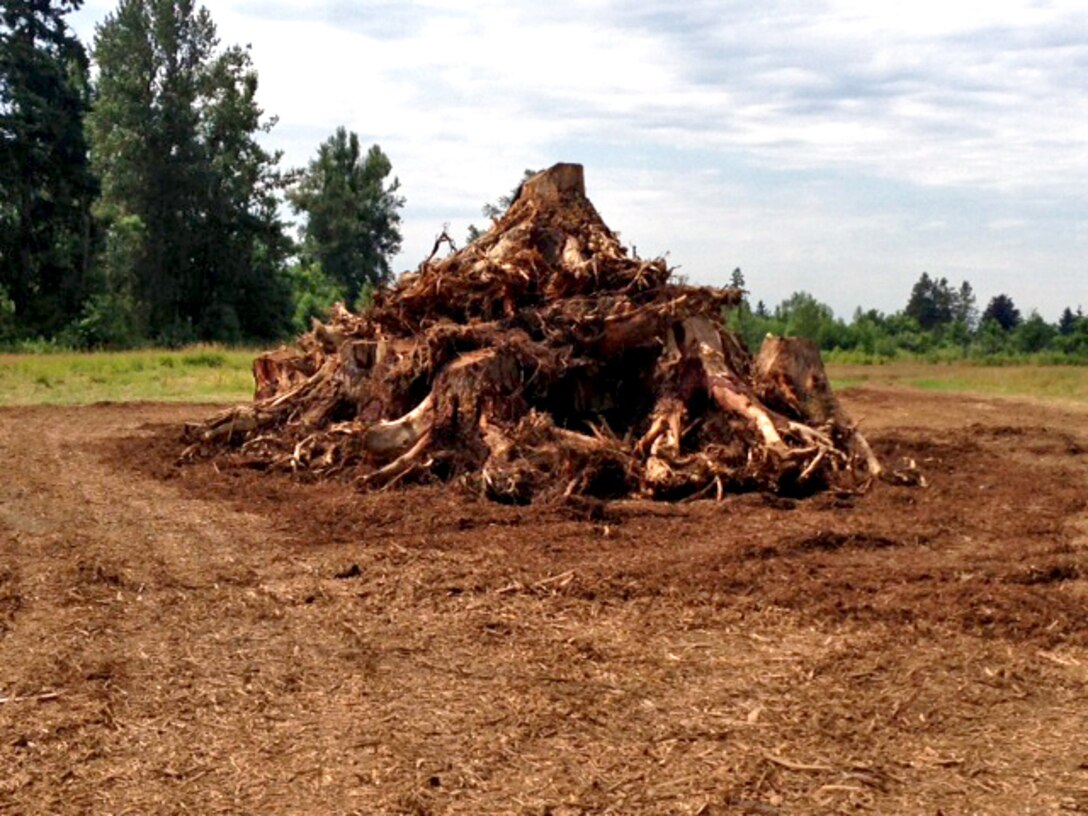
[[544, 360]]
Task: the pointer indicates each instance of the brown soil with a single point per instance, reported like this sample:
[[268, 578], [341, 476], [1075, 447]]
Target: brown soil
[[187, 640]]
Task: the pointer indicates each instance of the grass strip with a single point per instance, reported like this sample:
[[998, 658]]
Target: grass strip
[[197, 374], [1044, 382]]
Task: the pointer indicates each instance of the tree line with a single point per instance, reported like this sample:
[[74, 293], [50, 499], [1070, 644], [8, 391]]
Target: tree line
[[938, 322], [139, 204]]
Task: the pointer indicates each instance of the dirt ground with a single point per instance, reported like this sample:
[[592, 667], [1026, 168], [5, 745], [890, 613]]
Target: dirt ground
[[190, 641]]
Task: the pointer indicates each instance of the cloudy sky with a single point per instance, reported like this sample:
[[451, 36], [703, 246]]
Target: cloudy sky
[[841, 147]]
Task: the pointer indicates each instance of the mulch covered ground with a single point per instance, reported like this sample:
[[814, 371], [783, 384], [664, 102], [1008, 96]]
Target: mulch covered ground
[[213, 640]]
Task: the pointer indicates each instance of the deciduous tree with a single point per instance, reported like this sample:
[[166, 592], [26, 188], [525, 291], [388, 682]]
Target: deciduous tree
[[1003, 311], [174, 139], [352, 214], [1033, 334]]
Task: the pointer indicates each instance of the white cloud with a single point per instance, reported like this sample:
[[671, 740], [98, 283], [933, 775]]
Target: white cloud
[[819, 144]]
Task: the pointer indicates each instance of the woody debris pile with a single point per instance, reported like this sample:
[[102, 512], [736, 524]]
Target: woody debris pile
[[543, 360]]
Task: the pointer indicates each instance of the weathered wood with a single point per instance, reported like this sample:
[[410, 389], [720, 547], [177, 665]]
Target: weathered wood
[[543, 360], [279, 370]]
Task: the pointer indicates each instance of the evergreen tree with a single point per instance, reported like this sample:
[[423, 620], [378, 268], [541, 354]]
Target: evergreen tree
[[44, 177], [244, 245], [1002, 311], [1076, 341], [352, 222], [931, 302], [185, 186], [1067, 322], [965, 307]]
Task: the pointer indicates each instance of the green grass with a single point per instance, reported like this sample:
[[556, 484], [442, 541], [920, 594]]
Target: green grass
[[1045, 382], [198, 374], [214, 374]]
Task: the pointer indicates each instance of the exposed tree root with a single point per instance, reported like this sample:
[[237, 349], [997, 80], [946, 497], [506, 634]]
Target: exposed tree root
[[544, 360]]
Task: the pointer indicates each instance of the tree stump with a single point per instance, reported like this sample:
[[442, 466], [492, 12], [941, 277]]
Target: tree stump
[[544, 360]]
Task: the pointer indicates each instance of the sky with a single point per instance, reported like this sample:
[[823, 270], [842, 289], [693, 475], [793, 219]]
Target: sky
[[840, 147]]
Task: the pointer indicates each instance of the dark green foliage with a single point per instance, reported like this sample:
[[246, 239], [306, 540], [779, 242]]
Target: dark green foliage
[[7, 316], [352, 220], [935, 305], [1033, 335], [930, 302], [106, 322], [47, 188], [1067, 322], [800, 315], [186, 243], [873, 336], [965, 307], [1075, 343], [1002, 311], [804, 316], [194, 248], [313, 294]]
